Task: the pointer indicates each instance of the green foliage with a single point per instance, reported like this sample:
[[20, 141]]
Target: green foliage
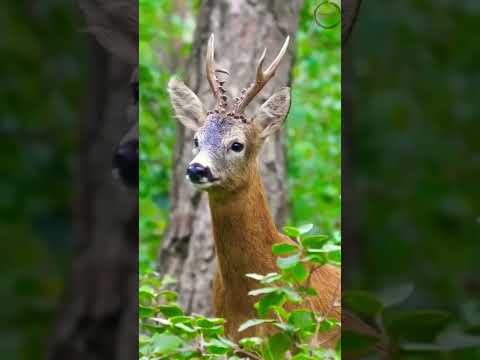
[[162, 34], [167, 333], [314, 125], [426, 334]]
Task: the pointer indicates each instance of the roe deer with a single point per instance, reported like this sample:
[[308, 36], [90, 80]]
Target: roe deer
[[226, 145]]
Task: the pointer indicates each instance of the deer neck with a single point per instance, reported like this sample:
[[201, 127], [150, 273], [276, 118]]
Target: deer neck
[[244, 232]]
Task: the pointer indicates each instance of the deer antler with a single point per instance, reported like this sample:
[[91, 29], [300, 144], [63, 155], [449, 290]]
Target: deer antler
[[261, 80], [215, 84]]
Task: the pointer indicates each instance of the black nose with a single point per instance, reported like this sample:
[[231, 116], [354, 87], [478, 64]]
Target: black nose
[[196, 172], [125, 160]]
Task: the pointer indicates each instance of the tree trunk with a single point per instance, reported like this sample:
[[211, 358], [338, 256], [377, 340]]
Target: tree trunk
[[242, 29], [98, 315]]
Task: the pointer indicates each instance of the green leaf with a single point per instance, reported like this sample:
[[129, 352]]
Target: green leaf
[[288, 262], [302, 357], [277, 346], [456, 339], [395, 295], [302, 319], [291, 231], [168, 295], [284, 249], [219, 346], [181, 319], [147, 289], [292, 295], [308, 291], [328, 248], [270, 278], [267, 302], [255, 322], [417, 326], [146, 312], [299, 272], [314, 242], [450, 340], [186, 328], [209, 323], [250, 342], [262, 291], [305, 228], [285, 327], [355, 343], [170, 310], [213, 332], [362, 302], [317, 259], [166, 343], [420, 347], [335, 257], [328, 324]]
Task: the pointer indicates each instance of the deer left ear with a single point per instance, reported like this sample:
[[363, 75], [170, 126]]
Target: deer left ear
[[272, 114], [186, 105]]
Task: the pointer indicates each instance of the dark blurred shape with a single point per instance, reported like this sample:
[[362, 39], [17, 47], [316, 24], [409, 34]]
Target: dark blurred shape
[[411, 168], [68, 229], [42, 84], [125, 162], [98, 317]]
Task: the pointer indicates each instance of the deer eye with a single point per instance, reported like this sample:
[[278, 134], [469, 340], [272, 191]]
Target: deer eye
[[237, 147], [195, 142]]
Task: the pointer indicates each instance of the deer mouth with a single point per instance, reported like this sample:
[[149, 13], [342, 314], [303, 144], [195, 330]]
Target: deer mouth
[[201, 177]]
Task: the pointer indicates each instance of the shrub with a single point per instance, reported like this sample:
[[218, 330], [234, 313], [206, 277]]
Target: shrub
[[166, 332]]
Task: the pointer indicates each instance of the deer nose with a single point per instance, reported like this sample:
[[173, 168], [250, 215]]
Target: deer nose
[[196, 172], [125, 160]]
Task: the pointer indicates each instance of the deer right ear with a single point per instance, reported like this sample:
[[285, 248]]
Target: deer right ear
[[271, 115], [186, 105]]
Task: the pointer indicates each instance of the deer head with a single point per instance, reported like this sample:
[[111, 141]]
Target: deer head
[[226, 142], [114, 23]]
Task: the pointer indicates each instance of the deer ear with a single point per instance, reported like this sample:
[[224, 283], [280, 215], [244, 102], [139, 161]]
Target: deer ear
[[186, 105], [271, 115], [115, 26]]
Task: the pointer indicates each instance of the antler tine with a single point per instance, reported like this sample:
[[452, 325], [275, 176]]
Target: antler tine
[[262, 77], [210, 66], [215, 85]]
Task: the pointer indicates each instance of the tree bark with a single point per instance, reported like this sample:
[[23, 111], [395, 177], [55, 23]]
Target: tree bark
[[242, 29], [98, 314]]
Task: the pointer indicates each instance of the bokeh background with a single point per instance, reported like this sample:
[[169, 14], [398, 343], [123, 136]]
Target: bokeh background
[[411, 186], [43, 78], [414, 165]]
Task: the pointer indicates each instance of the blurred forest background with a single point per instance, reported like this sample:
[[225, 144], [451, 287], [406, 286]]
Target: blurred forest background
[[313, 144], [414, 164], [43, 72]]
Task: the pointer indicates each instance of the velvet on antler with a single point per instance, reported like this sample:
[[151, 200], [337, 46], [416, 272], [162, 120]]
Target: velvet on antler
[[247, 94], [216, 84]]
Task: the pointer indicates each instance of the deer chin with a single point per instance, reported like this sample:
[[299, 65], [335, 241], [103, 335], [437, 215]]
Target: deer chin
[[205, 184]]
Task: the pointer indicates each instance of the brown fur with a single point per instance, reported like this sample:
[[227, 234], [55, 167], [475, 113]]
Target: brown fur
[[244, 233]]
